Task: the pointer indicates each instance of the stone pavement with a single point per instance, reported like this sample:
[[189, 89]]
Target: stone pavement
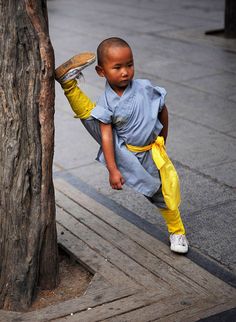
[[199, 73]]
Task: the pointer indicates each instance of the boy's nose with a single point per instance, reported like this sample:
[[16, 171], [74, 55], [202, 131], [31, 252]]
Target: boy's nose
[[124, 72]]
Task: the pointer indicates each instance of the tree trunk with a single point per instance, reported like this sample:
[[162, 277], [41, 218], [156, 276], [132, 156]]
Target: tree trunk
[[230, 18], [28, 242]]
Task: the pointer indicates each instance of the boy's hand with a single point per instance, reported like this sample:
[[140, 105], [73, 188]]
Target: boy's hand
[[116, 179]]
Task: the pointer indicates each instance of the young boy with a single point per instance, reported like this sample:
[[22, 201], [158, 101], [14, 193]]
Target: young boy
[[129, 121]]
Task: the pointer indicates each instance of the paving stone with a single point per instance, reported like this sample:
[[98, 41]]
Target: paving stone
[[212, 232], [200, 191], [223, 84], [209, 110], [224, 173], [204, 10], [197, 146], [232, 97], [176, 71], [95, 175], [233, 134], [73, 146], [180, 20], [198, 35], [186, 52]]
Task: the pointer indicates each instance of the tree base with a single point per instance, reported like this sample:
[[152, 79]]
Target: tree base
[[74, 281]]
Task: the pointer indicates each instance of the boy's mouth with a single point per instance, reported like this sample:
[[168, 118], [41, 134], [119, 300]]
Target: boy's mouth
[[124, 82]]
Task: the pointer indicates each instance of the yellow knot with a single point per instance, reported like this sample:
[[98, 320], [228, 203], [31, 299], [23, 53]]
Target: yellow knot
[[169, 176]]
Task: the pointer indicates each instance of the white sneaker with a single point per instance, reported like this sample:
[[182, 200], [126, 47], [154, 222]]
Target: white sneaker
[[178, 243]]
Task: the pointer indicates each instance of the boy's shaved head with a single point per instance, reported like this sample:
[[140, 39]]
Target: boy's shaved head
[[106, 44]]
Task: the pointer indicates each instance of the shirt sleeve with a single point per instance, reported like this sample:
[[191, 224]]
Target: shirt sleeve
[[161, 93], [102, 114]]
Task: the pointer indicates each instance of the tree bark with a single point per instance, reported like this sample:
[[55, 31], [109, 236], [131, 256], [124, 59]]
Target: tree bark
[[230, 18], [28, 242]]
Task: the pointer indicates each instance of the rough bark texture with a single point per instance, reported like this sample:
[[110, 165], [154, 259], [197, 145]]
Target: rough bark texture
[[230, 18], [28, 243]]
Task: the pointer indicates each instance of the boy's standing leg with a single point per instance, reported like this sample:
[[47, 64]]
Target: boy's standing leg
[[178, 240]]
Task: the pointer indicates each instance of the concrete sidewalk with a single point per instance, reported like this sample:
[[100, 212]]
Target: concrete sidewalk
[[199, 73]]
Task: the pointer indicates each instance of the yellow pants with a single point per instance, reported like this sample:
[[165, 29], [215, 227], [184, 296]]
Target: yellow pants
[[172, 217], [79, 102], [82, 107], [173, 221]]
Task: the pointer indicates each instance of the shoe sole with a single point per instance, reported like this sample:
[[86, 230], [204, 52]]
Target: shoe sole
[[81, 60], [179, 250]]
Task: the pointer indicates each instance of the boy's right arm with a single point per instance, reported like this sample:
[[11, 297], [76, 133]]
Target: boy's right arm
[[115, 177]]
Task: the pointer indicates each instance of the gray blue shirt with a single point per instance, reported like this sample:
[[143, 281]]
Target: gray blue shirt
[[134, 118]]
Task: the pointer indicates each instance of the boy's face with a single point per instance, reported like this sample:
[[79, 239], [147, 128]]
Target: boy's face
[[117, 68]]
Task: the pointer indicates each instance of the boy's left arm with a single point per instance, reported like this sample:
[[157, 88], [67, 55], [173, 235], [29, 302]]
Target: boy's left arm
[[163, 118]]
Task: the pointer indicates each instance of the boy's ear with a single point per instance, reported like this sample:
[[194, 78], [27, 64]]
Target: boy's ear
[[99, 71]]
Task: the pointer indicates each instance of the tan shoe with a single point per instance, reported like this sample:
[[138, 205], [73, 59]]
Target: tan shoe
[[72, 68]]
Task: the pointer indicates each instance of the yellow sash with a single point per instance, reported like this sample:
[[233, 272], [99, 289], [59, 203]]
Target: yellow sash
[[169, 176]]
